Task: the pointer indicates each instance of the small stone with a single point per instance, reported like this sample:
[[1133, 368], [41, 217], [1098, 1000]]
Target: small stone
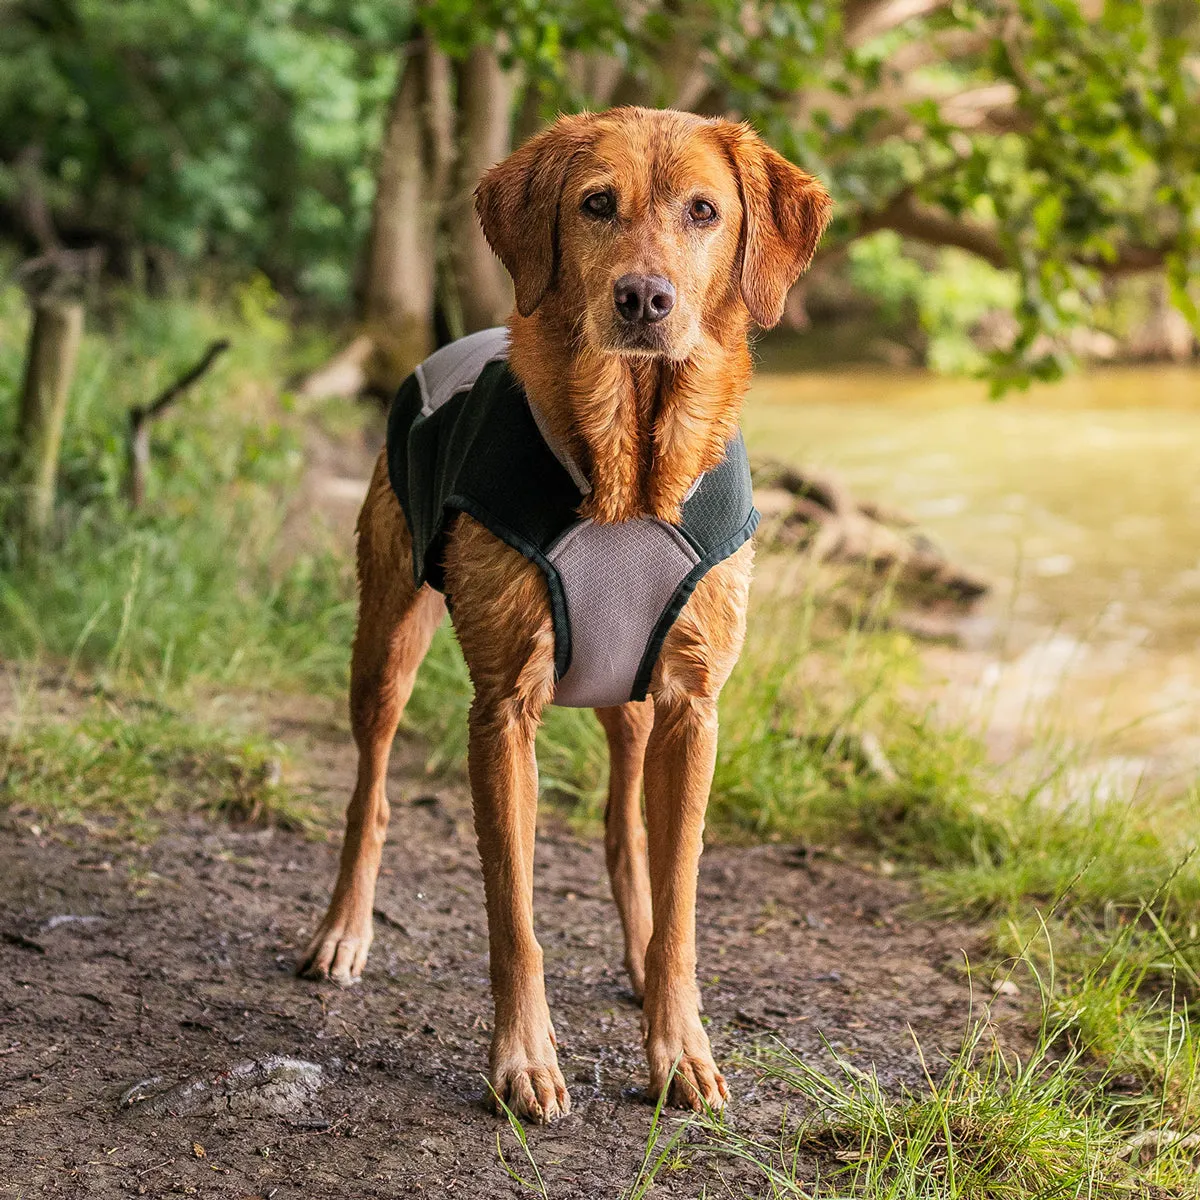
[[270, 1086], [1005, 987]]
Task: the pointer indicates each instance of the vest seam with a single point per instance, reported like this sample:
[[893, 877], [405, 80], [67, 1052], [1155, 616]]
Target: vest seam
[[558, 599]]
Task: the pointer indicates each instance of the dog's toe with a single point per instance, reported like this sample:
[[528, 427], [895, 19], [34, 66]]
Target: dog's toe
[[335, 953], [684, 1064], [535, 1092], [698, 1085]]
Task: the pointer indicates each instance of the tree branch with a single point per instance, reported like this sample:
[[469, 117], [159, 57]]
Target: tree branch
[[863, 20], [910, 218], [142, 416], [990, 108], [945, 47]]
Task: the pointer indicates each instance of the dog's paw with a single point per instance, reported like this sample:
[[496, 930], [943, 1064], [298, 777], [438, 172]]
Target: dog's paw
[[696, 1082], [338, 951], [534, 1092]]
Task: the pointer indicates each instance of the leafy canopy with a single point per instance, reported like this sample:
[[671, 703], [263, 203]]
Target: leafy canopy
[[1061, 144]]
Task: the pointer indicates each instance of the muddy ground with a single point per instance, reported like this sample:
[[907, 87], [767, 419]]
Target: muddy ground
[[123, 963]]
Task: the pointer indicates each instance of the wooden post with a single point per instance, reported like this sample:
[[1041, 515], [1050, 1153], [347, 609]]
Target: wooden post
[[54, 341]]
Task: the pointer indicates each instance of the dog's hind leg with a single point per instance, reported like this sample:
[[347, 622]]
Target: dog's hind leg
[[396, 622], [628, 729]]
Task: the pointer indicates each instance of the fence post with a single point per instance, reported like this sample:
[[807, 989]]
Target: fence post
[[54, 339]]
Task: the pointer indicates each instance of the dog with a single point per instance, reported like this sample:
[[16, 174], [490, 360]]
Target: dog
[[588, 524]]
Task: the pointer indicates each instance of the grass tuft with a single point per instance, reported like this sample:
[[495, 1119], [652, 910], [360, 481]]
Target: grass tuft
[[135, 763], [986, 1125], [210, 582]]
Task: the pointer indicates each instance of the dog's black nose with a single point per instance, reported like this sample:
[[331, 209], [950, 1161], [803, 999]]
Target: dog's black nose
[[643, 298]]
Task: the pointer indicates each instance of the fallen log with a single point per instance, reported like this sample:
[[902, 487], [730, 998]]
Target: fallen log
[[815, 513]]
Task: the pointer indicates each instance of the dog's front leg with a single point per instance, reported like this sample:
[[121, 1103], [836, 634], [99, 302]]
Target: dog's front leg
[[679, 768], [523, 1062], [502, 616]]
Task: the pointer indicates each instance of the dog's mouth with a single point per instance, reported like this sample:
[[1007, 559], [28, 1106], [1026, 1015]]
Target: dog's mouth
[[639, 340]]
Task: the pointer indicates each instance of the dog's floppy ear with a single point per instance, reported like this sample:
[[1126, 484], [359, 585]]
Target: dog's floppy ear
[[785, 211], [517, 203]]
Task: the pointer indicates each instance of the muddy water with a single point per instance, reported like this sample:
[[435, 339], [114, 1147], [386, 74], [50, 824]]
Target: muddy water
[[1081, 500]]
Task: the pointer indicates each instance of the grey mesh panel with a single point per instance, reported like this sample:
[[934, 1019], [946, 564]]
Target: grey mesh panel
[[454, 368], [618, 579]]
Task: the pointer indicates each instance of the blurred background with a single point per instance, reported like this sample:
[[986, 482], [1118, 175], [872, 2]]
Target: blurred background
[[229, 231]]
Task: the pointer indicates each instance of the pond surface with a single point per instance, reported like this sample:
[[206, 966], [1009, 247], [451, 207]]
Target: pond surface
[[1080, 500]]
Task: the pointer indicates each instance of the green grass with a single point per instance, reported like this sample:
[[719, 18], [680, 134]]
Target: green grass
[[208, 584], [126, 766], [986, 1125], [988, 1122]]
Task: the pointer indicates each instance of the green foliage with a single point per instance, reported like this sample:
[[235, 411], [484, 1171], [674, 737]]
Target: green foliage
[[1096, 160], [247, 133], [243, 132], [1110, 157], [948, 302]]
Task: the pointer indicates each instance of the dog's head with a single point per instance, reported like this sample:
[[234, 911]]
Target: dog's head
[[647, 230]]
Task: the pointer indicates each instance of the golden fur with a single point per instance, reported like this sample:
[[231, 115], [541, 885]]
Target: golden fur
[[644, 417]]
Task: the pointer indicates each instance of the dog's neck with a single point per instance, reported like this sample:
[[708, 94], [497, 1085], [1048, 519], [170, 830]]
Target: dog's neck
[[643, 430]]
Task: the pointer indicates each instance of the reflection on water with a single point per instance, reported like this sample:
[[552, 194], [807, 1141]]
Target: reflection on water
[[1081, 500]]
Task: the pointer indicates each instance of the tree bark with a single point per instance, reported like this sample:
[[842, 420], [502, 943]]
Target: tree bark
[[49, 368], [485, 100], [32, 205], [401, 274]]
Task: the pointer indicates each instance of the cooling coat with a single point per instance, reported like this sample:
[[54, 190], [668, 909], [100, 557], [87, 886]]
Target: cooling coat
[[463, 438]]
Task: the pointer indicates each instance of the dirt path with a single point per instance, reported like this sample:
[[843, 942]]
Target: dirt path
[[119, 963]]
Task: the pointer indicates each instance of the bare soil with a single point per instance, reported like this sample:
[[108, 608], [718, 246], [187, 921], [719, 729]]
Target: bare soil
[[125, 964]]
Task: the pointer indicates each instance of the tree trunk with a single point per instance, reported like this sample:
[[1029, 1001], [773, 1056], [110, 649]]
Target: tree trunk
[[677, 78], [485, 100], [32, 205], [401, 274], [49, 368]]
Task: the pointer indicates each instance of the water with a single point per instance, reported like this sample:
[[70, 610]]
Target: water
[[1080, 500]]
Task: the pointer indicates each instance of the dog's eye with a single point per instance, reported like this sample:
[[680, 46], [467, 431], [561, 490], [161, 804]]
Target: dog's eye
[[702, 212], [600, 204]]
